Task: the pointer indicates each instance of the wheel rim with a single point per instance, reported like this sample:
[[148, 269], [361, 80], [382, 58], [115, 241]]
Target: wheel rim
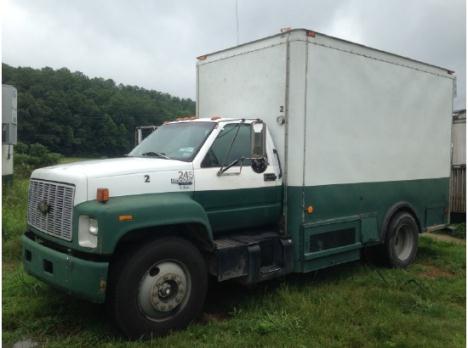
[[403, 242], [164, 290]]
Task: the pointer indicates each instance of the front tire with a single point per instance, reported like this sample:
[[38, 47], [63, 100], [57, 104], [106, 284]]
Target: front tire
[[401, 240], [160, 287]]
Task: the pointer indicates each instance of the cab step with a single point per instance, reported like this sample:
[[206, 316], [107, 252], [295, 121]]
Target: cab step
[[266, 270], [251, 257]]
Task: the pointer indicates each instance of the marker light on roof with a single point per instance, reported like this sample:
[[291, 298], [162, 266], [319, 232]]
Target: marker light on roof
[[186, 118], [214, 118]]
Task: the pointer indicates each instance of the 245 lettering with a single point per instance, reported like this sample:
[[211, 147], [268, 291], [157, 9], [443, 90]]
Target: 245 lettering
[[184, 178]]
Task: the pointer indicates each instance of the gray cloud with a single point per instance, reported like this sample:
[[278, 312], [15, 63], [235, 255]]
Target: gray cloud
[[154, 43]]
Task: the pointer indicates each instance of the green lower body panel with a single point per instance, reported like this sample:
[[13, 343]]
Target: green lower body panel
[[242, 208], [348, 216], [429, 197], [347, 254], [84, 278]]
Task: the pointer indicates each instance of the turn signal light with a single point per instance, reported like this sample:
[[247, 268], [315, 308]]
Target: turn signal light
[[102, 195], [125, 218], [310, 209]]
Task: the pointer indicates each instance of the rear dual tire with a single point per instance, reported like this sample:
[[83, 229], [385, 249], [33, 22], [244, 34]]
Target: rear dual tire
[[401, 240]]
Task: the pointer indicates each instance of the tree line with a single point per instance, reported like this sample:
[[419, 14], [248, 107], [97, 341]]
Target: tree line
[[75, 115]]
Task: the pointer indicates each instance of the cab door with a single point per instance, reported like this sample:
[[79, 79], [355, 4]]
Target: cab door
[[239, 198]]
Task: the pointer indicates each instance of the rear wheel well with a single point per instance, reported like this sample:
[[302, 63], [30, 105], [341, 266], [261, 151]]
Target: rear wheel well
[[395, 209]]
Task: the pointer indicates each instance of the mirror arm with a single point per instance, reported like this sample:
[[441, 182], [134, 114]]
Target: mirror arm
[[230, 165]]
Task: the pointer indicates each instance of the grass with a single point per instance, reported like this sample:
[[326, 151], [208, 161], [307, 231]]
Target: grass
[[458, 231], [355, 305], [14, 207]]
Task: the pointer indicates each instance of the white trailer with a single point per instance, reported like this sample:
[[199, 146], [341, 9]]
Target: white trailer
[[9, 129], [141, 132]]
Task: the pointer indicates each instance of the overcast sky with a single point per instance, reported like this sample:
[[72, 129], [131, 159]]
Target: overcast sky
[[153, 44]]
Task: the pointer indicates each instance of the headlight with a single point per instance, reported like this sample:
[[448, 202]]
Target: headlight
[[87, 231]]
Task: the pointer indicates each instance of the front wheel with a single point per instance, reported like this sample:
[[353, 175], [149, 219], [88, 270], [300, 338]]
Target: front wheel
[[160, 287], [401, 241]]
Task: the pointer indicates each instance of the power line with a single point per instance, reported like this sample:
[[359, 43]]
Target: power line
[[237, 21]]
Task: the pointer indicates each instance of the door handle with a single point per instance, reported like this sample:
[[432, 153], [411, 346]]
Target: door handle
[[269, 177]]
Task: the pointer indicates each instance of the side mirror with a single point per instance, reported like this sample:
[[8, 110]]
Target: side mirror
[[258, 143], [258, 150]]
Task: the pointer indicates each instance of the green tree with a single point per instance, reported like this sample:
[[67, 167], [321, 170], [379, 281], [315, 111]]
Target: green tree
[[75, 115]]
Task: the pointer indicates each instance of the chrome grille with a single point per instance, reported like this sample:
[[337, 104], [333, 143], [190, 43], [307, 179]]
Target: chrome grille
[[50, 208]]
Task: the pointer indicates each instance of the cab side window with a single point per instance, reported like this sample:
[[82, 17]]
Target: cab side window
[[216, 156]]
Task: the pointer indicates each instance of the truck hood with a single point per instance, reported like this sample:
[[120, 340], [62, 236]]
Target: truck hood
[[122, 176], [113, 167]]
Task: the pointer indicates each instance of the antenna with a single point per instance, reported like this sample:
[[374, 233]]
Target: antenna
[[237, 21]]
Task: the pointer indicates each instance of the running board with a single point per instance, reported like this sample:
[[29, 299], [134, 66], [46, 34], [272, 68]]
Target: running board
[[436, 227], [252, 257]]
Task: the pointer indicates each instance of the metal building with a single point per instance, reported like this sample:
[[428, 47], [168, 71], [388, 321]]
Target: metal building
[[458, 176]]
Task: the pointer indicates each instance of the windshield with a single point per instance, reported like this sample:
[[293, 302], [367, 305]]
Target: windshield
[[179, 141]]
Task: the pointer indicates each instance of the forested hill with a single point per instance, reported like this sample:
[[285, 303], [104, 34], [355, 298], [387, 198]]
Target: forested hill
[[73, 114]]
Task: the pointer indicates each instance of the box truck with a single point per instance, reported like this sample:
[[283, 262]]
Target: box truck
[[305, 149]]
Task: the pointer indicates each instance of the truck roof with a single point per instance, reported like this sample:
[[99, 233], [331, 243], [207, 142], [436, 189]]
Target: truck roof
[[312, 34]]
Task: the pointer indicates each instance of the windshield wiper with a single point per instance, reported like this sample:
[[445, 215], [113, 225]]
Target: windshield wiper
[[155, 154]]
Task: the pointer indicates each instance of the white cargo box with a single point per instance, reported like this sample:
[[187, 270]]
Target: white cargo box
[[345, 104]]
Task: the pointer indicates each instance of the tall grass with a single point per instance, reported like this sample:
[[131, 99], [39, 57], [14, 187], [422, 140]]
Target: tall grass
[[14, 208]]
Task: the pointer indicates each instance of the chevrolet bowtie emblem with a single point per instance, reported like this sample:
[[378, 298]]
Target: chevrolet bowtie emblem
[[44, 207]]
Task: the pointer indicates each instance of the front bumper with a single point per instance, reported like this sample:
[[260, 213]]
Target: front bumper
[[74, 275]]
